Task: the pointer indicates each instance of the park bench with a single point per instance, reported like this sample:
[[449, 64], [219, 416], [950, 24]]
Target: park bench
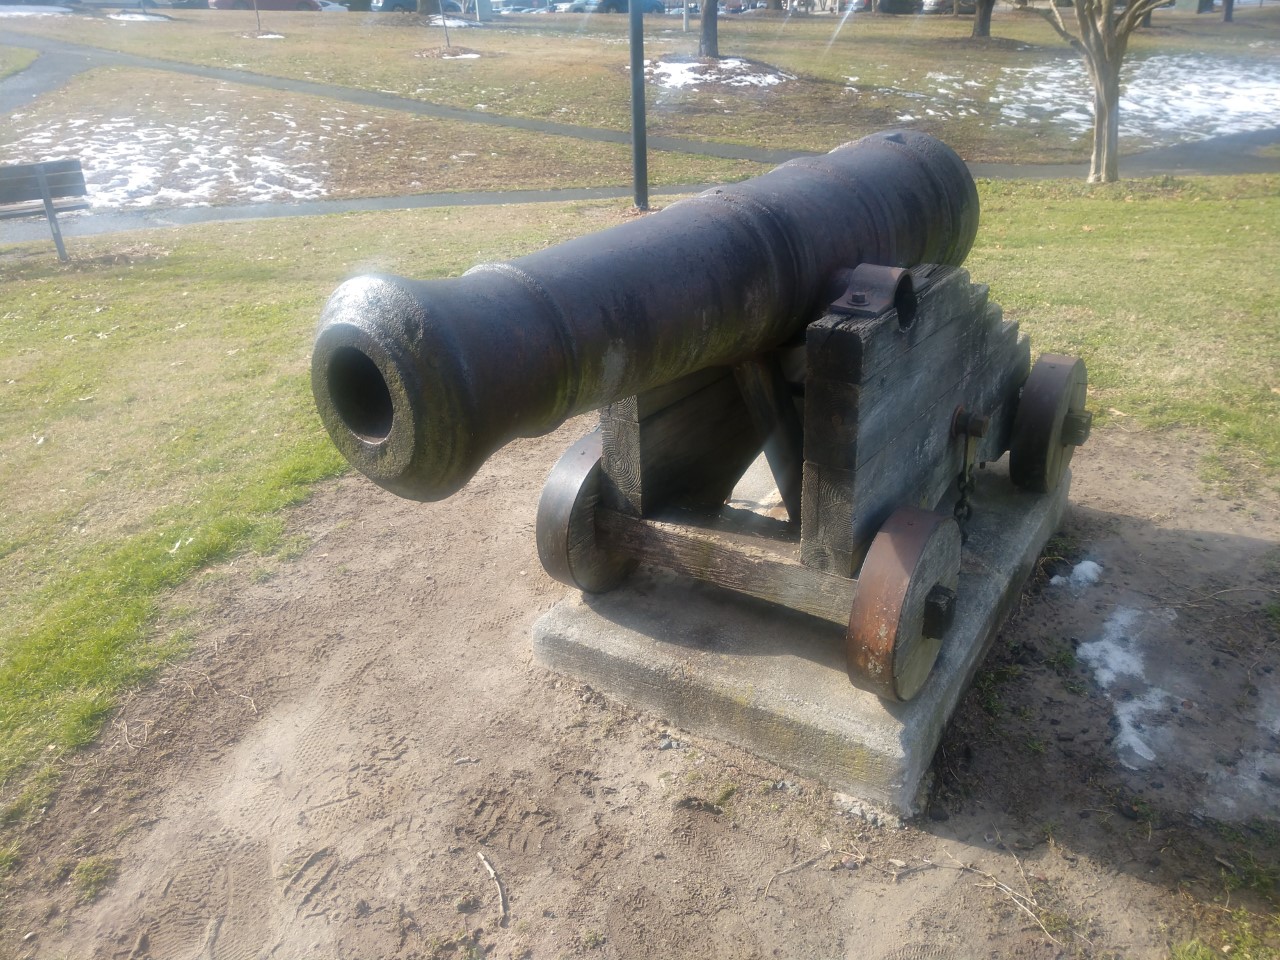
[[48, 188]]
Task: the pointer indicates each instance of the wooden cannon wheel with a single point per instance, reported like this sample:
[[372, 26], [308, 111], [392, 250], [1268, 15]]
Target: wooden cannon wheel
[[1050, 423], [566, 530], [905, 602]]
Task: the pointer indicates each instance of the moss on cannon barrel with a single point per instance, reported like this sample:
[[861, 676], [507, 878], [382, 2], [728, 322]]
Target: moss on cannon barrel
[[418, 382]]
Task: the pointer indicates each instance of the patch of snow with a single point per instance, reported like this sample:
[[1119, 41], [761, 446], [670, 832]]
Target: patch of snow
[[731, 72], [270, 36], [460, 56], [1164, 99], [1130, 714], [1112, 655], [130, 164], [1116, 656], [123, 15], [1083, 574], [1255, 777], [453, 23]]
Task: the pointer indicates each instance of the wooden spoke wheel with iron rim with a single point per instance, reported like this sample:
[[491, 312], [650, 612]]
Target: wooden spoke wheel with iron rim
[[905, 602], [1050, 423], [566, 526]]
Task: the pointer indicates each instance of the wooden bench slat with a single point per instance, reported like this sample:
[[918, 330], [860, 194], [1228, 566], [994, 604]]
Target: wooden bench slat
[[46, 188], [70, 165], [35, 208], [22, 183]]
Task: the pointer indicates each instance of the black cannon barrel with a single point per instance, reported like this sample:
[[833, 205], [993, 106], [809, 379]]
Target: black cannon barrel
[[418, 382]]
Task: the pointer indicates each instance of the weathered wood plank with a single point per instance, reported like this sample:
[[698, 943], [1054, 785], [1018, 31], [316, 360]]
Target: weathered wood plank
[[849, 423], [854, 348], [749, 566], [688, 452], [843, 509], [640, 406]]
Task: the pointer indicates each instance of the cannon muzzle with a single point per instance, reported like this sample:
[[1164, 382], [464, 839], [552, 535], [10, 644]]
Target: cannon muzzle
[[418, 382]]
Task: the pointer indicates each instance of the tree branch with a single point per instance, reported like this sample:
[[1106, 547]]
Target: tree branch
[[1054, 19]]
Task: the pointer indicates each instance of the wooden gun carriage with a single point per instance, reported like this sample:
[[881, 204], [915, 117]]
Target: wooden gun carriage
[[818, 313]]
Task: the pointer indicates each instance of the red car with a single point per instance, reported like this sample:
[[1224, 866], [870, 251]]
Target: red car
[[265, 4]]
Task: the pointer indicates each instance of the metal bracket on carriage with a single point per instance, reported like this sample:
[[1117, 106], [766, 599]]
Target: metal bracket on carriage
[[970, 427], [870, 290]]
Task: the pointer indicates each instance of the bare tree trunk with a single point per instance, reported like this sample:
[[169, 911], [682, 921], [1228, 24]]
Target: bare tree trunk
[[709, 38], [1104, 164], [1103, 37], [1228, 10], [982, 18]]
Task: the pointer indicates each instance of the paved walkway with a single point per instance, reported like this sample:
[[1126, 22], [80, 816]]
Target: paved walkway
[[59, 61]]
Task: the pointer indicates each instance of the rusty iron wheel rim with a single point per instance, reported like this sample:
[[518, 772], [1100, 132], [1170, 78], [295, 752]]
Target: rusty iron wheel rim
[[914, 551], [1038, 453]]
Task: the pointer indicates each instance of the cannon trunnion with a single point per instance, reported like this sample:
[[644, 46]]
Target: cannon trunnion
[[818, 313]]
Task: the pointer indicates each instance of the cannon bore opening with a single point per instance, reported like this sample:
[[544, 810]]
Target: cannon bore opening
[[360, 395]]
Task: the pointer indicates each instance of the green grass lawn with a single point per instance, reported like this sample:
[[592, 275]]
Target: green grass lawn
[[1165, 287], [156, 418], [13, 59]]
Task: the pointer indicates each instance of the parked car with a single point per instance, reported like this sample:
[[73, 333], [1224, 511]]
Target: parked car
[[621, 6], [411, 6], [265, 4], [947, 6]]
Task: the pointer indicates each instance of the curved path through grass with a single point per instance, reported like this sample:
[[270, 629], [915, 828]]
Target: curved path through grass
[[59, 61]]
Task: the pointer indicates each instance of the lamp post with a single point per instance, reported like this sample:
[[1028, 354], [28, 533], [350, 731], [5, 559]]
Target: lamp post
[[639, 144]]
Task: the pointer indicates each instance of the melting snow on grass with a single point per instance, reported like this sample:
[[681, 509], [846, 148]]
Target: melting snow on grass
[[220, 158], [1164, 99], [678, 74]]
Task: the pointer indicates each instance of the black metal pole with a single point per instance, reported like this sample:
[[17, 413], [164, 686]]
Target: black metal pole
[[639, 144]]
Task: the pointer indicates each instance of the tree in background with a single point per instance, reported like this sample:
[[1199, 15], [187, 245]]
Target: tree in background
[[981, 18], [709, 38], [1102, 38]]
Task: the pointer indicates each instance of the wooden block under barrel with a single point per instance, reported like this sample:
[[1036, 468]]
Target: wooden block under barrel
[[685, 443]]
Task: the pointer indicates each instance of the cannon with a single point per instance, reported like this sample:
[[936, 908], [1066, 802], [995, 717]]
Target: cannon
[[818, 313]]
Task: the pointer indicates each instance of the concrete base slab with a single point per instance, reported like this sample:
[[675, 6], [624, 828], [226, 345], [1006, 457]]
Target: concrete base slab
[[773, 681]]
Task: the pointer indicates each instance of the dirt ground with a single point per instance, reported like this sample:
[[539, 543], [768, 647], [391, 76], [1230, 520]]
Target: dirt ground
[[361, 734]]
